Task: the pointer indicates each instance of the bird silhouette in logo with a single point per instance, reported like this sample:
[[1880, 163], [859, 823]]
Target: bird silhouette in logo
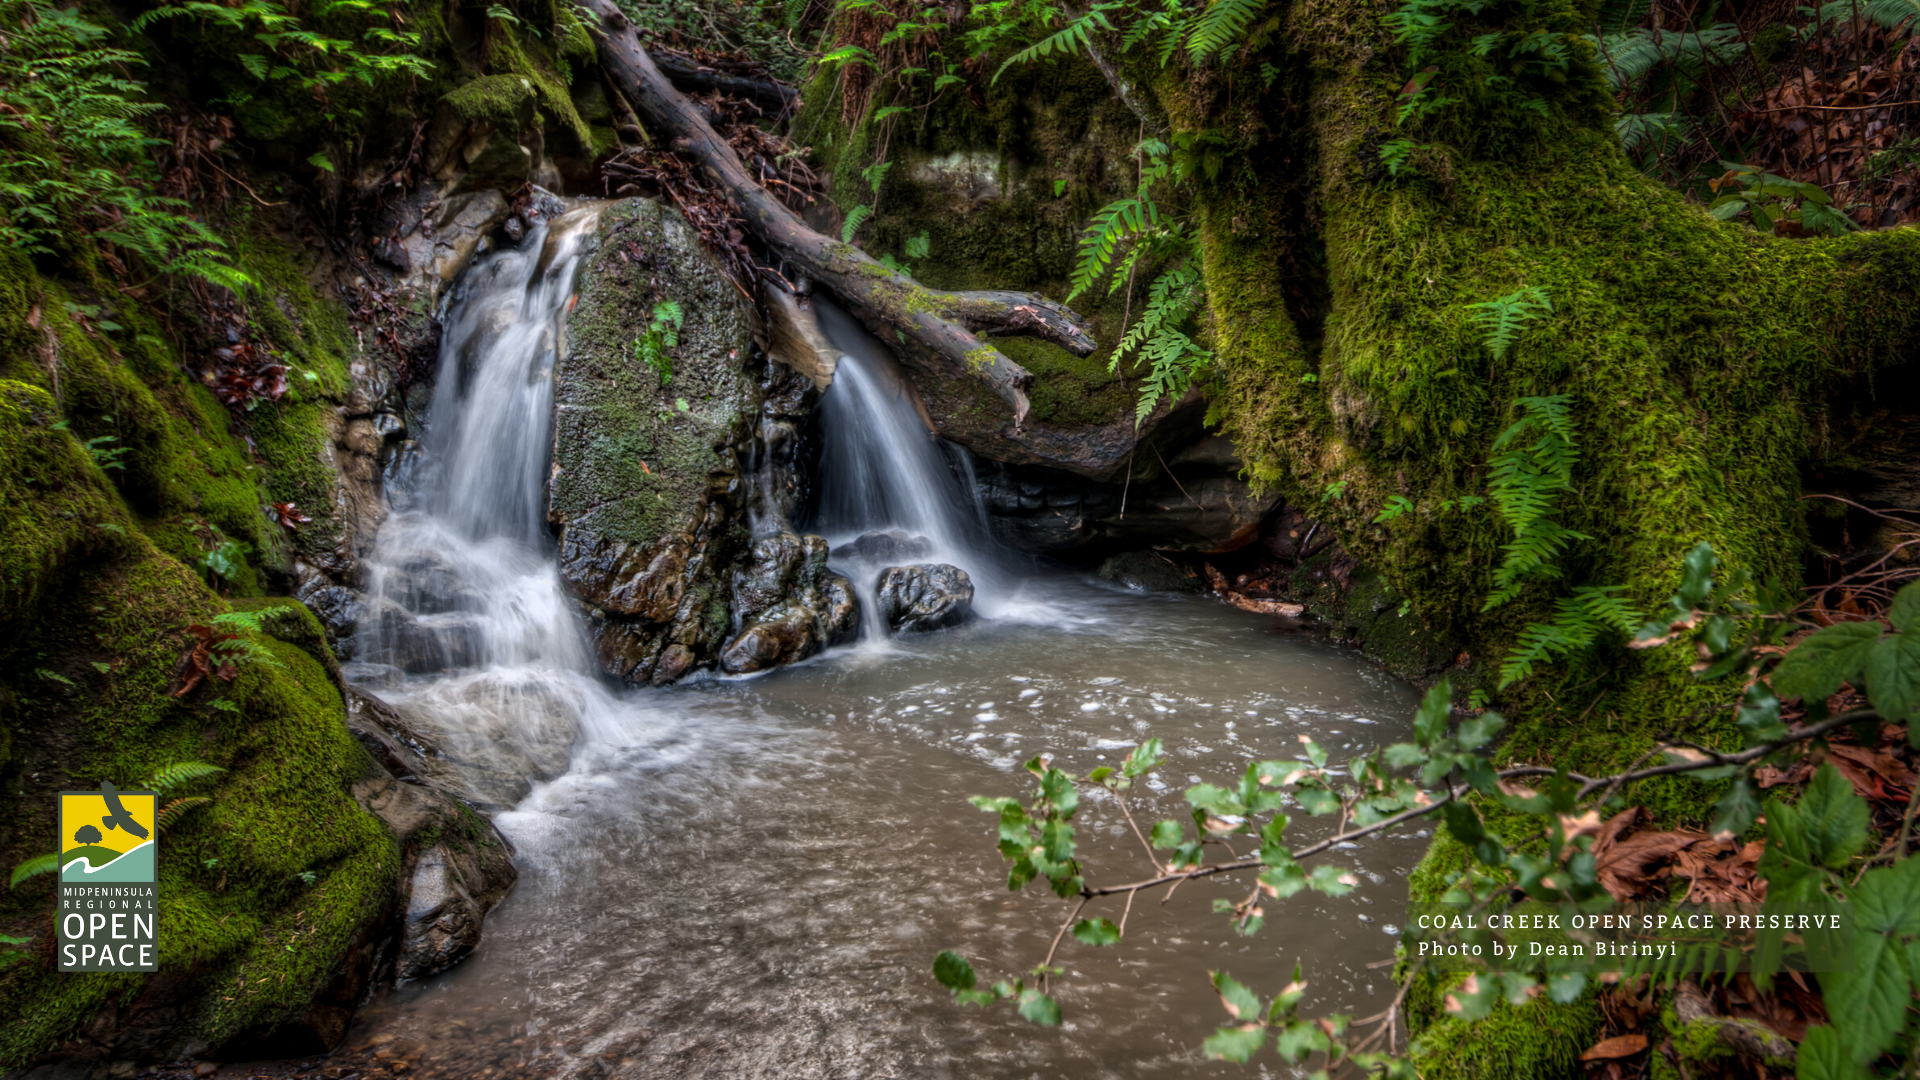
[[117, 815]]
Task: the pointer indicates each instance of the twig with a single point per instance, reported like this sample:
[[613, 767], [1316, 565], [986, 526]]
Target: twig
[[1047, 964]]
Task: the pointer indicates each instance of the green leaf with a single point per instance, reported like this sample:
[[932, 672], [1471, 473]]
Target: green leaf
[[1332, 880], [1565, 987], [1905, 611], [1893, 676], [34, 867], [1868, 1000], [1318, 802], [319, 161], [1235, 1043], [852, 224], [1833, 818], [1096, 932], [953, 971], [1823, 1057], [1039, 1008], [1215, 800], [1824, 659], [1240, 1002], [1737, 809], [1166, 834], [1100, 774], [1430, 722], [1696, 579], [1480, 730], [1887, 901]]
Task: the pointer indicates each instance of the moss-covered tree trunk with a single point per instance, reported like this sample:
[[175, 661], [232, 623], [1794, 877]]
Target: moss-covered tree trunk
[[1699, 356]]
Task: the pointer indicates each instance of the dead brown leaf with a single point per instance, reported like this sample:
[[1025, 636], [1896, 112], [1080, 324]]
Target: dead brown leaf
[[1617, 1047]]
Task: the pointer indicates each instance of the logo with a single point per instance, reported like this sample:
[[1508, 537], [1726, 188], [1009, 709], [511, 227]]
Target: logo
[[109, 863]]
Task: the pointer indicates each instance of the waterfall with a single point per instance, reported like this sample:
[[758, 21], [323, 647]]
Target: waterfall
[[883, 469], [462, 584]]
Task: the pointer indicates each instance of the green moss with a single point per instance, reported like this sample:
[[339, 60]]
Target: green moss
[[241, 925]]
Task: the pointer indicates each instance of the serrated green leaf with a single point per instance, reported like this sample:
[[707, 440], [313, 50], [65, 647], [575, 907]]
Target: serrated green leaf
[[1235, 1043], [1299, 1039], [1737, 809], [1215, 800], [1275, 773], [1430, 721], [1166, 834], [1480, 730], [1833, 818], [1887, 900], [1317, 802], [1868, 1000], [953, 971], [1893, 676], [1100, 774], [1096, 932], [1904, 612], [1824, 659], [1240, 1002], [1822, 1056], [1332, 880]]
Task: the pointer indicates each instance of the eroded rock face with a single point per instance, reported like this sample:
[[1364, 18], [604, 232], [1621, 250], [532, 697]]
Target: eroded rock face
[[924, 596], [885, 547], [788, 604], [661, 469]]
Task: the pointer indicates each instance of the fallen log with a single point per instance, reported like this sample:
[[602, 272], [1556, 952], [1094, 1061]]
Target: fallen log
[[688, 74], [899, 310]]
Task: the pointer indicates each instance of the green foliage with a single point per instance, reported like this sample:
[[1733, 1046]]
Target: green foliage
[[1581, 620], [281, 48], [1773, 200], [1525, 479], [1068, 41], [1502, 319], [851, 225], [227, 561], [1220, 26], [652, 348], [73, 159]]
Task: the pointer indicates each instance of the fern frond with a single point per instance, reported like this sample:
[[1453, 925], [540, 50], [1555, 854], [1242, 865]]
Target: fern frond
[[1068, 40], [168, 777], [1221, 26], [34, 867], [177, 808], [1501, 319], [855, 217], [1115, 222]]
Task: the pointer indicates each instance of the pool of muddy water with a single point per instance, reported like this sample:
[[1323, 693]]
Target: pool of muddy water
[[751, 877]]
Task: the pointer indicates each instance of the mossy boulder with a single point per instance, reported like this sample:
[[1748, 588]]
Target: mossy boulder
[[661, 394]]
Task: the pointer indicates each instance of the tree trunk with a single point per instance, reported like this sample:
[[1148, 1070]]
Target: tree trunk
[[895, 307]]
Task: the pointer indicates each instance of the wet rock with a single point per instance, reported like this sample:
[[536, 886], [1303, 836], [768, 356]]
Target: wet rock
[[456, 865], [454, 734], [925, 596], [789, 604], [1196, 502], [885, 547], [1150, 571], [656, 480]]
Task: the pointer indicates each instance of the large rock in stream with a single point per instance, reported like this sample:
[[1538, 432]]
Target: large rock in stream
[[674, 432], [924, 596]]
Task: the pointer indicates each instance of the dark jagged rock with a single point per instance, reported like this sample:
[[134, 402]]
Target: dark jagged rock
[[790, 606], [924, 596], [885, 547]]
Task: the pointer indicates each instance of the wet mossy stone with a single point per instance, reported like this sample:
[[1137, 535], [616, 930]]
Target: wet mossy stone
[[924, 596]]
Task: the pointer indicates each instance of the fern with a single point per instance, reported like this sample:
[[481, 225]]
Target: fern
[[1525, 480], [251, 622], [1579, 622], [1502, 319], [171, 813], [855, 217], [168, 777], [34, 867], [1117, 221], [1071, 39], [662, 334], [1221, 26]]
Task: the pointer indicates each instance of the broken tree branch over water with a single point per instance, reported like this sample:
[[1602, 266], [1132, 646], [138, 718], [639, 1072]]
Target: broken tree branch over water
[[895, 307]]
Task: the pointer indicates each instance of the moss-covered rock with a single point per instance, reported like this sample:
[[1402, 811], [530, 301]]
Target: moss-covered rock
[[649, 490]]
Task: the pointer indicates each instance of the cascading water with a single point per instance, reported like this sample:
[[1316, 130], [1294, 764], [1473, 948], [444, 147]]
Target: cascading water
[[883, 470], [463, 586]]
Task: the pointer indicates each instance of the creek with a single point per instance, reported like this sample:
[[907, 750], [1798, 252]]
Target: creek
[[750, 877]]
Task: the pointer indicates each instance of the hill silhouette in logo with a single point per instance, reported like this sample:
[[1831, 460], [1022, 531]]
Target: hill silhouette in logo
[[136, 865]]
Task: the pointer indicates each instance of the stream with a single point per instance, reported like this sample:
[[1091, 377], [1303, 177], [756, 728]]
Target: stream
[[750, 877]]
